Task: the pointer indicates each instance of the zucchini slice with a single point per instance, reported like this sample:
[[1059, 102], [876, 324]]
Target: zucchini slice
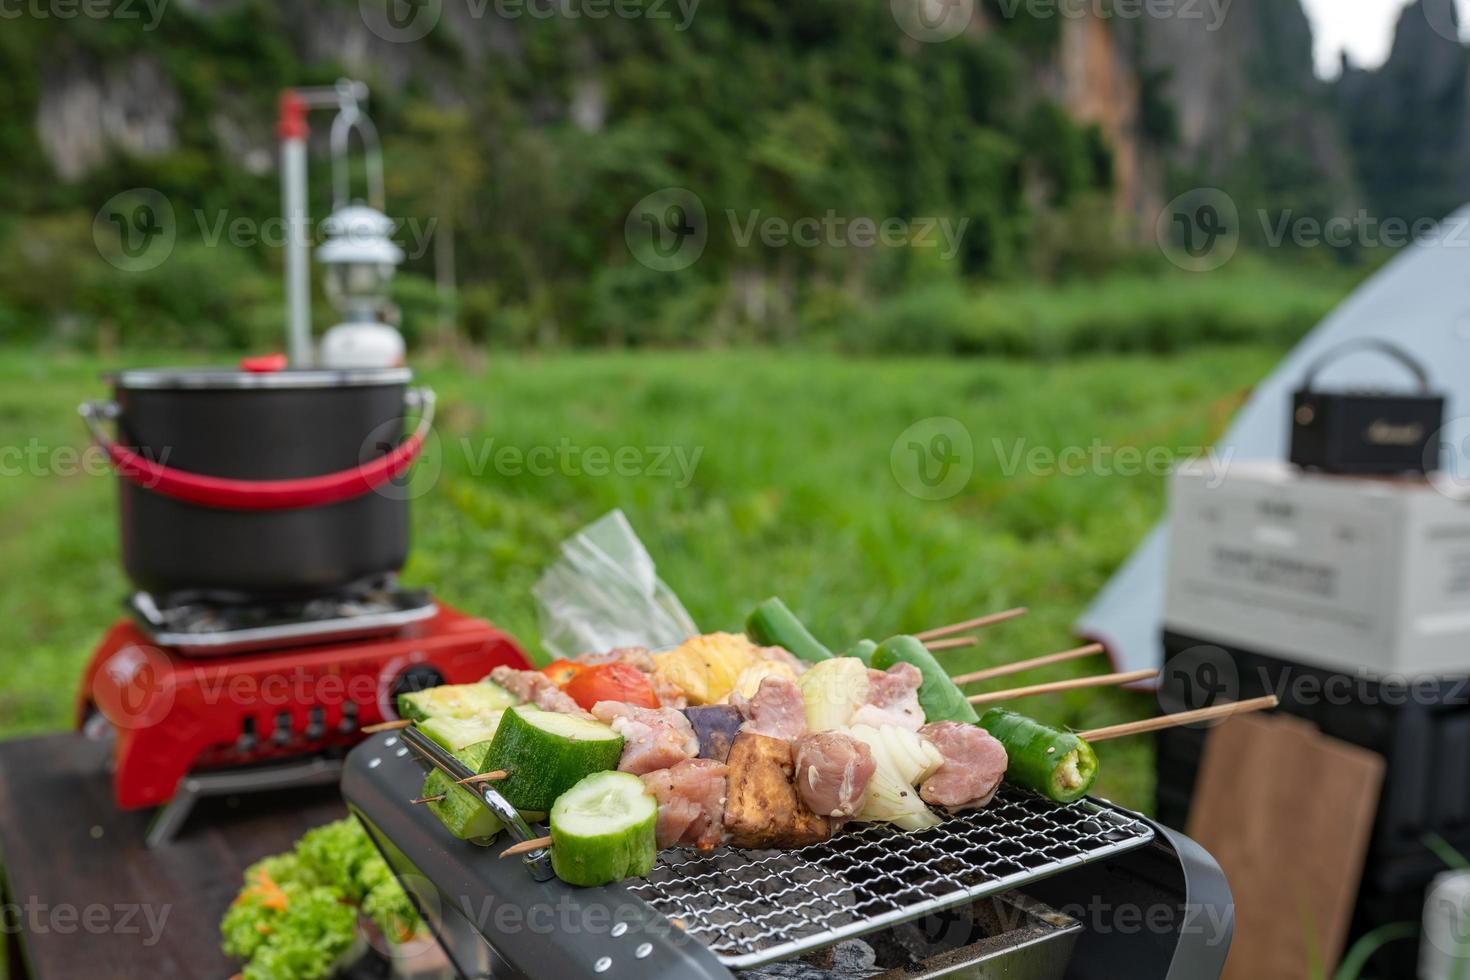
[[459, 733], [455, 701], [462, 812], [602, 830], [547, 753]]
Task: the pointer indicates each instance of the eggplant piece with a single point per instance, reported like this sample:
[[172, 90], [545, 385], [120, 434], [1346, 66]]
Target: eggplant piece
[[763, 808], [716, 726]]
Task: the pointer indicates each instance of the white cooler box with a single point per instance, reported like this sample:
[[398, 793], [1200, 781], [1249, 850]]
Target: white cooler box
[[1354, 574]]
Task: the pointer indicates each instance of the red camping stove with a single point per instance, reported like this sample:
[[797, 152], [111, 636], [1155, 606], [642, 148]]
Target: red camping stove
[[208, 701]]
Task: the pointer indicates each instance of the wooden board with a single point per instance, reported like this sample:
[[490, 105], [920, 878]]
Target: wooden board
[[1287, 812], [96, 902]]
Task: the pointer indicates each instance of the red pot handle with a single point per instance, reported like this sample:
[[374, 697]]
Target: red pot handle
[[228, 494]]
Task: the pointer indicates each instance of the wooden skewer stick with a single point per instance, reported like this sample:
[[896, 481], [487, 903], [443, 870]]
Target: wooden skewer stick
[[429, 799], [971, 624], [1102, 680], [950, 644], [484, 777], [386, 726], [526, 847], [1020, 665], [1182, 718]]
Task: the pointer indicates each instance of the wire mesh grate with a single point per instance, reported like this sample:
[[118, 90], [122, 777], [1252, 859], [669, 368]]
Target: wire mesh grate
[[756, 907]]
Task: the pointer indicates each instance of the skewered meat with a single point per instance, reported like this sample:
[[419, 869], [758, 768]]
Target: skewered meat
[[974, 764], [781, 655], [832, 773], [716, 725], [777, 710], [669, 694], [536, 688], [893, 698], [763, 808], [691, 803], [653, 738], [638, 657]]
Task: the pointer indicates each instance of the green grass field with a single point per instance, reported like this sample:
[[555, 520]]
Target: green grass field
[[794, 493]]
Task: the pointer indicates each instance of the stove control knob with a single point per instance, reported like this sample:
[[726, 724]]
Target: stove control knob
[[282, 733], [419, 677], [247, 740], [317, 726], [348, 725]]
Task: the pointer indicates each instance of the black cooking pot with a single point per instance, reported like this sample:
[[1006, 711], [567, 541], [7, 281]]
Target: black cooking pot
[[239, 486]]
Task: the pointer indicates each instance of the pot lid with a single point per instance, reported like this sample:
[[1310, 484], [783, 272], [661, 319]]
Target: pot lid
[[230, 378]]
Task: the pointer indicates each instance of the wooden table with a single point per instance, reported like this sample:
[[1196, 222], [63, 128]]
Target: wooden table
[[85, 900]]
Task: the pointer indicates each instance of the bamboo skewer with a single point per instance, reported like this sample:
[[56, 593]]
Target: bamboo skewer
[[950, 644], [526, 847], [1102, 680], [386, 726], [429, 799], [971, 624], [1182, 718], [1021, 665], [484, 777]]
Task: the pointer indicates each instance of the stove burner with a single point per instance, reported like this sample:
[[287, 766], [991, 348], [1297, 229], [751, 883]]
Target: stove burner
[[205, 628]]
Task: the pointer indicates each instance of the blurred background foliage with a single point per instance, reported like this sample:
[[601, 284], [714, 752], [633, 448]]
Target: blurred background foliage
[[526, 143]]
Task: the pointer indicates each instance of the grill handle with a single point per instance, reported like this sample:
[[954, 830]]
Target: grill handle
[[538, 862]]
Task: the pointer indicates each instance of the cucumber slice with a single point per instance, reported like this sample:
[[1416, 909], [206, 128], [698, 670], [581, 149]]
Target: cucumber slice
[[455, 701], [462, 812], [602, 830], [458, 733], [547, 753]]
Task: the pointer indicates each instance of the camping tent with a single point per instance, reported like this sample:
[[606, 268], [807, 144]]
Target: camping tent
[[1421, 302]]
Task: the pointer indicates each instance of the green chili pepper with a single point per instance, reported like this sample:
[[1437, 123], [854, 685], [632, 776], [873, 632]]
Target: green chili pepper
[[938, 695], [771, 624], [1057, 764], [863, 650]]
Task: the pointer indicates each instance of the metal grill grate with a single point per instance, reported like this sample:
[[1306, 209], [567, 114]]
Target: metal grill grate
[[755, 907]]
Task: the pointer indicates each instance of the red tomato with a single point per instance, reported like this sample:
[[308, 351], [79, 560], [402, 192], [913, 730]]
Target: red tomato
[[562, 672], [612, 682]]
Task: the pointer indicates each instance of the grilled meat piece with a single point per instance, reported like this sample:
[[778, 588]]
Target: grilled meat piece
[[536, 688], [974, 764], [763, 808], [781, 655], [777, 710], [691, 803], [716, 726], [832, 773], [653, 738], [893, 698]]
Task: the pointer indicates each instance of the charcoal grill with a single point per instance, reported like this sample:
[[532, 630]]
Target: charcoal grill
[[813, 912]]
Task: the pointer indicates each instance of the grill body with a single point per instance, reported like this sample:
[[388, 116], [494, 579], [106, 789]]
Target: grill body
[[702, 916]]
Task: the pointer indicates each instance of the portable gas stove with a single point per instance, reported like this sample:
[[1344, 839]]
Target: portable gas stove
[[208, 700]]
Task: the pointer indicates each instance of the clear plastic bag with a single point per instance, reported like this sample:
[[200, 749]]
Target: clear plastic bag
[[604, 592]]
